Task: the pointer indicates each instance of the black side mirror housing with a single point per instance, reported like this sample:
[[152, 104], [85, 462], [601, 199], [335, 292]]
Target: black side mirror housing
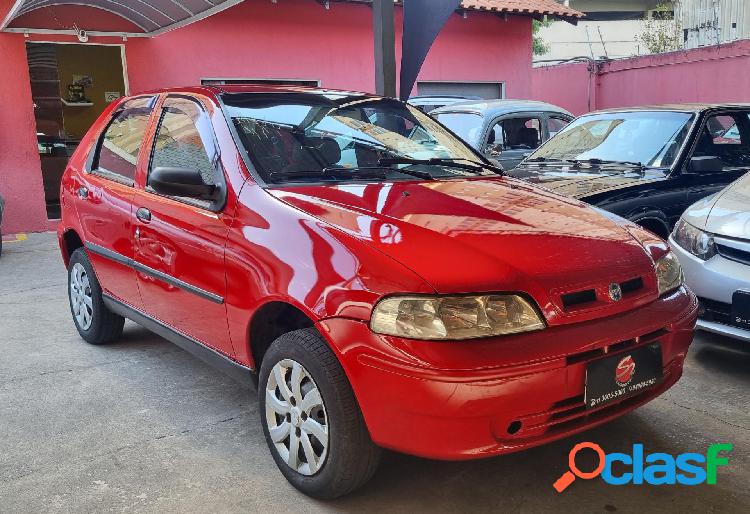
[[705, 164], [180, 182]]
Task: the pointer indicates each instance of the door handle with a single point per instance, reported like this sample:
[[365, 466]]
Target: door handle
[[143, 214], [83, 193]]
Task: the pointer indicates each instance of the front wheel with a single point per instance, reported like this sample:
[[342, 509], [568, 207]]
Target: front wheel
[[95, 322], [311, 419]]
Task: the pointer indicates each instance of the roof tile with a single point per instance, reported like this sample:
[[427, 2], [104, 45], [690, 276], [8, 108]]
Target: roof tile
[[529, 7]]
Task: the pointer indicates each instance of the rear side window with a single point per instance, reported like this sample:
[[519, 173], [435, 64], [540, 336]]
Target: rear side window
[[185, 139], [118, 148]]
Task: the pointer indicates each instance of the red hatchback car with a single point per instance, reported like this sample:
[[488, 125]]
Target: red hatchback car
[[381, 283]]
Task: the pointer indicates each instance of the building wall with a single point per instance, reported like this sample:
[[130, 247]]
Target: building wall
[[709, 74], [20, 172], [300, 39]]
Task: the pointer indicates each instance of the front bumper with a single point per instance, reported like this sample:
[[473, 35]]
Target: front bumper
[[472, 399], [714, 282]]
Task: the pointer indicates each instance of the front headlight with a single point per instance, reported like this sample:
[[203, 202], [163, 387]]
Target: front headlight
[[699, 243], [454, 317], [668, 273]]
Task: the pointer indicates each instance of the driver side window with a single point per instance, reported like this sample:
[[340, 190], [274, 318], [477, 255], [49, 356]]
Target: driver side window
[[726, 136], [523, 133], [179, 140]]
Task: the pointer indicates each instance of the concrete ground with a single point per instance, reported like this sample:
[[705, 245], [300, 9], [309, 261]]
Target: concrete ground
[[143, 426]]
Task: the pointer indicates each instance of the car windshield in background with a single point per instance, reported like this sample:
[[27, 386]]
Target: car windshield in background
[[303, 137], [467, 125], [648, 138]]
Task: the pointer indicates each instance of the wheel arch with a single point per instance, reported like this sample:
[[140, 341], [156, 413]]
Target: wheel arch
[[271, 320], [71, 241], [653, 220]]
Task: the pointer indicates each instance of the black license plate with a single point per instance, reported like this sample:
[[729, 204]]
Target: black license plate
[[741, 309], [626, 374]]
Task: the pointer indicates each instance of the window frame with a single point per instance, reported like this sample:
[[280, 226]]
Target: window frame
[[92, 166], [219, 203], [699, 126], [539, 116]]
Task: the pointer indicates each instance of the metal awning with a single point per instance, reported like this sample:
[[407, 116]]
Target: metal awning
[[152, 16]]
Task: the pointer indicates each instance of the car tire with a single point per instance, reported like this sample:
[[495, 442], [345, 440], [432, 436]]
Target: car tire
[[94, 321], [349, 458]]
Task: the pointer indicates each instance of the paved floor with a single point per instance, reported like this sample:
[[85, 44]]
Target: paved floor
[[143, 426]]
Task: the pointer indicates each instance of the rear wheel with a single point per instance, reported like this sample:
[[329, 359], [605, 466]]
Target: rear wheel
[[95, 322], [311, 419]]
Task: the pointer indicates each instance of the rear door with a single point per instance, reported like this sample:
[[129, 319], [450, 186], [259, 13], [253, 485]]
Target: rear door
[[105, 196], [179, 248]]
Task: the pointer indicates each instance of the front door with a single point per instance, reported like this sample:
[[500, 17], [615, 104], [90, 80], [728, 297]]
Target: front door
[[726, 136], [105, 195], [511, 138], [180, 242]]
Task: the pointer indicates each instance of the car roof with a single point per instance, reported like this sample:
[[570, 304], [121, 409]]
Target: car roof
[[491, 108], [684, 107]]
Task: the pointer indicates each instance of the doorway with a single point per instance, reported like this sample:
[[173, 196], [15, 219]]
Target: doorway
[[71, 85]]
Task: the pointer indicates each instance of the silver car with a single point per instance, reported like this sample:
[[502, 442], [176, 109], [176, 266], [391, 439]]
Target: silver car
[[712, 242]]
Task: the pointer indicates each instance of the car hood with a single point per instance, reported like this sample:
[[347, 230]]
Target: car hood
[[480, 235], [726, 213], [582, 183]]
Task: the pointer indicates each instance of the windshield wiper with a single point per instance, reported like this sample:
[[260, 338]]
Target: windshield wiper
[[604, 162], [473, 166], [361, 172]]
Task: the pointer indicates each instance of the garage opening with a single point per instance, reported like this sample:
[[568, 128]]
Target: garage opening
[[71, 85], [484, 90]]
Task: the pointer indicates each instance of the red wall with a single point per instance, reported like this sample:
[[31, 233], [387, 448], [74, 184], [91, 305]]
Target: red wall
[[301, 39], [20, 168], [711, 74]]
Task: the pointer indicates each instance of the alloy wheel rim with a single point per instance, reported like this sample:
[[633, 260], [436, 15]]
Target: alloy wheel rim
[[296, 417], [81, 299]]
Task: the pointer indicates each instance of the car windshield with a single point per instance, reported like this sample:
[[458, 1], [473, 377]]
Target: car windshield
[[313, 137], [648, 138], [467, 125]]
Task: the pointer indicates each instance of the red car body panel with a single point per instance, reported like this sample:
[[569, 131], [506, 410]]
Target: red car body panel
[[333, 251]]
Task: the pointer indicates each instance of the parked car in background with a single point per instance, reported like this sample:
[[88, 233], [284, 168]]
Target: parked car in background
[[646, 164], [428, 103], [505, 131], [379, 282], [712, 241]]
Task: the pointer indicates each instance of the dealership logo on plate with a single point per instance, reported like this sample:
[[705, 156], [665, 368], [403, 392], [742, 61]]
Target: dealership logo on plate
[[615, 292], [625, 371]]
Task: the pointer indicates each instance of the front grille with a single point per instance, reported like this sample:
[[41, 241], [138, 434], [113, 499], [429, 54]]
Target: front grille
[[588, 297], [733, 254], [718, 312]]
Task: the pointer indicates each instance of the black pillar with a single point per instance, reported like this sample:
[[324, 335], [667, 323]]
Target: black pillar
[[385, 48]]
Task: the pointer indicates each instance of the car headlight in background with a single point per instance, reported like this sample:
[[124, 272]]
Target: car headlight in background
[[454, 317], [697, 242], [668, 273]]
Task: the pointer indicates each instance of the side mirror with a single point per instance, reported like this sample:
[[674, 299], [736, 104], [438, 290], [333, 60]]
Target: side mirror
[[705, 164], [180, 182]]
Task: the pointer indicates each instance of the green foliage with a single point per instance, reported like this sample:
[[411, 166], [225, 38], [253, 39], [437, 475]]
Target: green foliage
[[661, 33], [539, 45]]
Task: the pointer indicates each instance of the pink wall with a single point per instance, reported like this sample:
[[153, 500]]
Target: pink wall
[[567, 85], [301, 39], [711, 74], [20, 168]]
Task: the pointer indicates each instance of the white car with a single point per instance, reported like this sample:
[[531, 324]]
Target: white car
[[712, 242]]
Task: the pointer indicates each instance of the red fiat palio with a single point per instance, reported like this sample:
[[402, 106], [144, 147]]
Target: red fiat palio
[[379, 281]]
